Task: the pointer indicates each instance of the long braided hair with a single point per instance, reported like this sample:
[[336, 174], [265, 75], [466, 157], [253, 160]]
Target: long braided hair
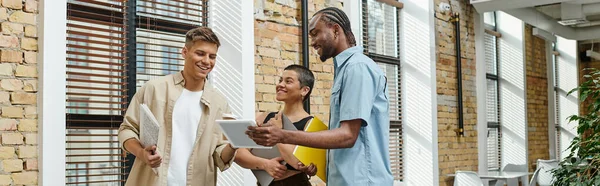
[[333, 15]]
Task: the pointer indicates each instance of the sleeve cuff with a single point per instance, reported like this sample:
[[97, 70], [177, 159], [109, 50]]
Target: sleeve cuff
[[125, 135], [353, 115], [217, 157]]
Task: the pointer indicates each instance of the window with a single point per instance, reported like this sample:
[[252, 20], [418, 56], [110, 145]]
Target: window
[[78, 49], [556, 103], [159, 54], [494, 134], [380, 41], [94, 156], [95, 90], [113, 48], [565, 64], [76, 173], [77, 105]]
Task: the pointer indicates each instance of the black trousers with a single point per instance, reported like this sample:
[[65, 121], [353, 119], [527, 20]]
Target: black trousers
[[299, 179]]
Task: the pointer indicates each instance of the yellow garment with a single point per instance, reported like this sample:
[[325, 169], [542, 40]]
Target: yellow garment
[[308, 155]]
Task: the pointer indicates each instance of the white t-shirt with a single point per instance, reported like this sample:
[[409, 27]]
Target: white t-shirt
[[186, 118]]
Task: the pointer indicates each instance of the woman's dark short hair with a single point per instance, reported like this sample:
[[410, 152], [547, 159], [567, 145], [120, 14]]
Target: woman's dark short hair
[[305, 76]]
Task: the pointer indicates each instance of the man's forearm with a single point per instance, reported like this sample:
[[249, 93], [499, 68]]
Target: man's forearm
[[227, 153], [328, 139], [133, 146]]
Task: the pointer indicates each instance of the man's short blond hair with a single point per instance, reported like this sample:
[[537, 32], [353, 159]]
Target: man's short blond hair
[[201, 34]]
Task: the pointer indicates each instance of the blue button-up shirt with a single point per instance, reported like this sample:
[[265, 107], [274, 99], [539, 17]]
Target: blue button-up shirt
[[359, 92]]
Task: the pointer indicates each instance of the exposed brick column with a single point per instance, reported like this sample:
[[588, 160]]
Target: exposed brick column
[[456, 153], [537, 98], [18, 92], [277, 36], [278, 40]]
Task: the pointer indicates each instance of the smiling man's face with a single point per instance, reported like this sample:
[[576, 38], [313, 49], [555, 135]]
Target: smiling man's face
[[321, 36], [199, 59]]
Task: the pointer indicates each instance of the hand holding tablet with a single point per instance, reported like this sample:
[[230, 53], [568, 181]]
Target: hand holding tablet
[[235, 131]]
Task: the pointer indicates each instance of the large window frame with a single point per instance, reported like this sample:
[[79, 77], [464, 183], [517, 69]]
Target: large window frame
[[556, 103], [388, 58], [93, 134], [494, 133]]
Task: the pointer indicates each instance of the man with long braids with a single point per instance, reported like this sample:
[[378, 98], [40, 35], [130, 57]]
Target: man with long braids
[[359, 109]]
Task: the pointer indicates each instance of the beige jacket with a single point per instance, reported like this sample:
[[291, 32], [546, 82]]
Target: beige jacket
[[160, 96]]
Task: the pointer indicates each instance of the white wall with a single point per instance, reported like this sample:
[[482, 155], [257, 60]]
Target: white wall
[[551, 101], [567, 80], [51, 100], [353, 10], [419, 103], [233, 22], [481, 90], [512, 90]]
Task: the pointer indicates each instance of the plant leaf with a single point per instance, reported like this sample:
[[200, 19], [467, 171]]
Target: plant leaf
[[573, 90]]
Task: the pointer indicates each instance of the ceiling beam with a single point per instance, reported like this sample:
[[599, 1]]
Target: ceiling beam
[[495, 5], [544, 22], [587, 33], [540, 20]]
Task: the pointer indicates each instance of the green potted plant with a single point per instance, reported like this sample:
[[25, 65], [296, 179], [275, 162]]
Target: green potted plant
[[581, 166]]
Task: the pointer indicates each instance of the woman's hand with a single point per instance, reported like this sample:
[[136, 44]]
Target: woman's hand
[[274, 167], [311, 170]]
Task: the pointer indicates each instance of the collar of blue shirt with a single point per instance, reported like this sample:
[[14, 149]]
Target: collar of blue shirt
[[342, 57]]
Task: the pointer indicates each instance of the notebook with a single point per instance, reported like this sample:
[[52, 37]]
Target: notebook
[[149, 128], [308, 155]]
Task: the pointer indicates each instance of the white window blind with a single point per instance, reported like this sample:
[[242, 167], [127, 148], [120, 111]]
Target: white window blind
[[393, 85], [382, 29], [158, 53], [492, 115], [566, 78], [394, 96], [160, 35]]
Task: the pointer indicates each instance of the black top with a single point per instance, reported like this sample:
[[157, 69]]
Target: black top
[[299, 125]]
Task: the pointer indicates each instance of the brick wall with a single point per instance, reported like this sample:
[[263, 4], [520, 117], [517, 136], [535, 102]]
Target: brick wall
[[594, 63], [537, 97], [278, 36], [455, 153], [278, 40], [18, 92]]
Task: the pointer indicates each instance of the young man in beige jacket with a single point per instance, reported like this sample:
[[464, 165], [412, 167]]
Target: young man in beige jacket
[[190, 144]]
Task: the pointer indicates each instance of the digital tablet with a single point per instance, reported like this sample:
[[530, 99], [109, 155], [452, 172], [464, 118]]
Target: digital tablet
[[235, 131]]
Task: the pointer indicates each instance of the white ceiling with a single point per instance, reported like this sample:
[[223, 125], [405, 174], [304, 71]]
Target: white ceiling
[[494, 5], [590, 11], [546, 15]]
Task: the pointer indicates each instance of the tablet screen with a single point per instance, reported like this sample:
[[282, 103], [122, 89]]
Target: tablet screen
[[235, 131]]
